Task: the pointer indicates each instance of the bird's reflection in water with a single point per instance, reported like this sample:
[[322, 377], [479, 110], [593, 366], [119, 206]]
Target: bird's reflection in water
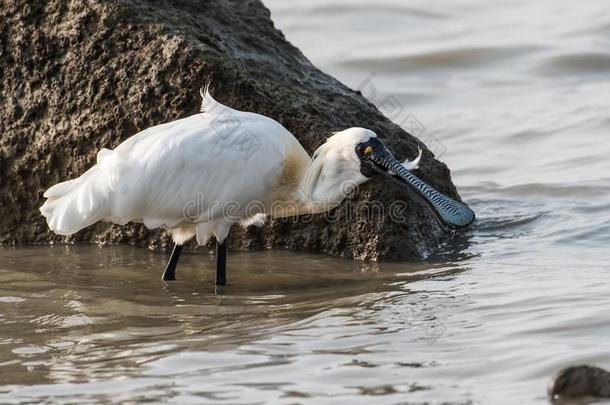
[[73, 320]]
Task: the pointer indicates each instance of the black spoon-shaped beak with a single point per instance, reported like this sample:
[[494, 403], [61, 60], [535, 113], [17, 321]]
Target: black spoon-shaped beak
[[451, 212]]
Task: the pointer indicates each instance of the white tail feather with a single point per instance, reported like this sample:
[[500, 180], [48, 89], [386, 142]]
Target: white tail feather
[[78, 203]]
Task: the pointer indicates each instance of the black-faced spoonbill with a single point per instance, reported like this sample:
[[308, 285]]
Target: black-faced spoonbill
[[199, 175]]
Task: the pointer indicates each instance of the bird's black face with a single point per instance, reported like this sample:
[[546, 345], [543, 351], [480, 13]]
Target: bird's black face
[[364, 150], [371, 153], [376, 158]]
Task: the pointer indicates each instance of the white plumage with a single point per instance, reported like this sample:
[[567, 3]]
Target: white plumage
[[201, 174]]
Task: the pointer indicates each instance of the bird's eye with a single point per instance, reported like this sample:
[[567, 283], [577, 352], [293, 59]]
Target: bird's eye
[[364, 149]]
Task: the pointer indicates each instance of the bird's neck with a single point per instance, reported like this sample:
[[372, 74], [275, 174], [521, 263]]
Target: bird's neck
[[305, 187]]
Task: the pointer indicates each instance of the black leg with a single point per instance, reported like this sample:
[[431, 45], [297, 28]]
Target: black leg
[[170, 270], [221, 263]]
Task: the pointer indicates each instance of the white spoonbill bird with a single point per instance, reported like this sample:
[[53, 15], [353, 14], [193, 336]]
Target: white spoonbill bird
[[199, 175]]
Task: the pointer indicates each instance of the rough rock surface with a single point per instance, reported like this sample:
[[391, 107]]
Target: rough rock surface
[[76, 76]]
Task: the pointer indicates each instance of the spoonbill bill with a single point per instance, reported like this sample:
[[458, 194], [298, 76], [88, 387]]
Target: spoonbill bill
[[199, 175]]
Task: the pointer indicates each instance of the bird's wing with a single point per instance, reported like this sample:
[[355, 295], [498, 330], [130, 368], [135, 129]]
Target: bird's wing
[[201, 167]]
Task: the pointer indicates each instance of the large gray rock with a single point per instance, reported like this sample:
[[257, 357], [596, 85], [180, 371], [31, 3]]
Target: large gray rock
[[77, 76]]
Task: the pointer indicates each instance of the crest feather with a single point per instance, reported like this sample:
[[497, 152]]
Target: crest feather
[[207, 101]]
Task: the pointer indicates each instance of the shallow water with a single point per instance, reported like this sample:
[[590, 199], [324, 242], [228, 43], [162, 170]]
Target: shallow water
[[514, 97]]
